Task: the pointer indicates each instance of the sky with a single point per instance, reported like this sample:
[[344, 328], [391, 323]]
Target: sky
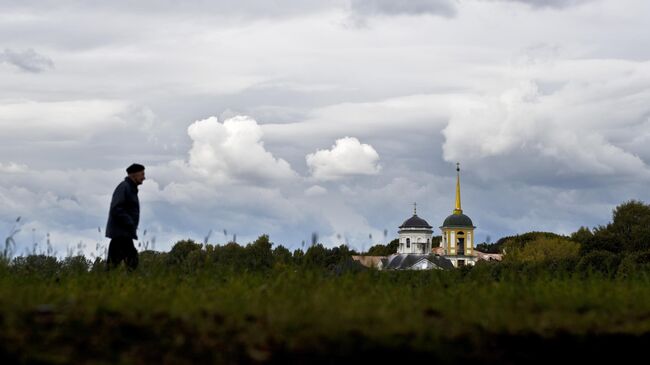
[[295, 117]]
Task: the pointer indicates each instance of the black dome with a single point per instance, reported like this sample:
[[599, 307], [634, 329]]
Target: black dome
[[415, 222], [458, 220]]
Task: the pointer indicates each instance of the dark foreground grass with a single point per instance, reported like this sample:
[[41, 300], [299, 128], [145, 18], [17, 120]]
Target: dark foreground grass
[[302, 316]]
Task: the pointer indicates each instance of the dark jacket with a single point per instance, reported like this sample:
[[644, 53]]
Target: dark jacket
[[124, 215]]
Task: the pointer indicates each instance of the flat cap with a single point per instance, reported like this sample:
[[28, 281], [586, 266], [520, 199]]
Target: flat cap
[[136, 167]]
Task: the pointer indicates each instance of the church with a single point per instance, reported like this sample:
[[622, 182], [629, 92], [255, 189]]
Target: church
[[417, 250]]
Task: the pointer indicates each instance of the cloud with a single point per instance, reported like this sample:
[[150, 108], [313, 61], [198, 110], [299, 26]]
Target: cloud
[[12, 167], [445, 8], [347, 157], [549, 3], [234, 150], [549, 137], [27, 60], [58, 120], [559, 135], [315, 190]]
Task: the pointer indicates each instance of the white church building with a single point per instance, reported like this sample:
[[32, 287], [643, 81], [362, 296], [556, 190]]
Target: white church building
[[417, 251]]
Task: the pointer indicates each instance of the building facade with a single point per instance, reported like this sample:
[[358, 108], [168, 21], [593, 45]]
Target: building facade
[[417, 251], [415, 235], [457, 241]]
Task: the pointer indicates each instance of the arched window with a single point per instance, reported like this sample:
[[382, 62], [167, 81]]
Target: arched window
[[408, 243]]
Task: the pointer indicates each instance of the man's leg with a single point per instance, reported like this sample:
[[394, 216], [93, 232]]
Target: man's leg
[[112, 259], [116, 252], [131, 255]]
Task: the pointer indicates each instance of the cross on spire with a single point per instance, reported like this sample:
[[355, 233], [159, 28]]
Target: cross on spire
[[415, 208]]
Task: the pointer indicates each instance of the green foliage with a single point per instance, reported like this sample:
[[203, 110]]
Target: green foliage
[[521, 240], [600, 262], [384, 250], [631, 223], [75, 265], [582, 235], [181, 250], [603, 239], [258, 254], [634, 264], [282, 255], [488, 247], [37, 265], [542, 249], [628, 232]]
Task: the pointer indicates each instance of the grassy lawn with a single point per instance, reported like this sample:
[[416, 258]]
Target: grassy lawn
[[293, 315]]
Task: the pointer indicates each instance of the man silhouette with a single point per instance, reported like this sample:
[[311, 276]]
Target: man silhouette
[[123, 219]]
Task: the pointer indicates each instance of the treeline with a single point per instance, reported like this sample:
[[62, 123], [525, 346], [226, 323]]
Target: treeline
[[189, 256], [620, 248]]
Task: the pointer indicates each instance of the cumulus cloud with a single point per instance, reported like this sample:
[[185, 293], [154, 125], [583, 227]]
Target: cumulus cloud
[[347, 157], [234, 150], [561, 129], [27, 60], [558, 135]]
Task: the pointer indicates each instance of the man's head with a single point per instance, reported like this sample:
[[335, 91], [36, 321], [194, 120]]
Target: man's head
[[136, 173]]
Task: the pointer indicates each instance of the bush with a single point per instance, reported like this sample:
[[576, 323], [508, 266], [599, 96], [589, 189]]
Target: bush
[[603, 262], [39, 265], [634, 264], [181, 250], [542, 249], [75, 265]]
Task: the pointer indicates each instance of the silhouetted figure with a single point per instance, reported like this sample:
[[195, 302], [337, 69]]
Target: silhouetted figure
[[123, 219]]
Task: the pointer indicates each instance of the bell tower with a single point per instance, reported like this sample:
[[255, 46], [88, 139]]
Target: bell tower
[[458, 233]]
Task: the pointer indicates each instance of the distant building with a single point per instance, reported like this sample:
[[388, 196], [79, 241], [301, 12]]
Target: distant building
[[417, 251], [458, 233]]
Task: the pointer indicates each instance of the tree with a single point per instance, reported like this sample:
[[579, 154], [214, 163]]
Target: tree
[[631, 222], [604, 262], [181, 250], [582, 235], [316, 255], [543, 249], [258, 253], [384, 250], [282, 255], [602, 239], [520, 240]]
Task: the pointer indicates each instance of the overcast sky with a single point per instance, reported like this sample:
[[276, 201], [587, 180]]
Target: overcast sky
[[289, 117]]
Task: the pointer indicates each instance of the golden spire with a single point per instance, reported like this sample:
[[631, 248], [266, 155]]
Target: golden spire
[[458, 209]]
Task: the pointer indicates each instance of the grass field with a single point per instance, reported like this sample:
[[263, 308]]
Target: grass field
[[297, 315]]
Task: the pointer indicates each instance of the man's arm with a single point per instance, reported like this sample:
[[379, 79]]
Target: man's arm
[[117, 208]]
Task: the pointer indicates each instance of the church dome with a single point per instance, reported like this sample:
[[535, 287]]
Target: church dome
[[458, 220], [415, 222]]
